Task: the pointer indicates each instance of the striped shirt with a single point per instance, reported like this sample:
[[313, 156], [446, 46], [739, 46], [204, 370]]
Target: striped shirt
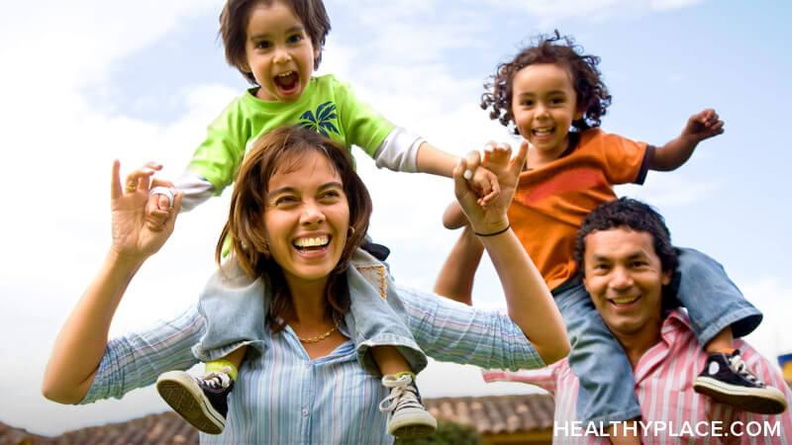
[[672, 412], [284, 397]]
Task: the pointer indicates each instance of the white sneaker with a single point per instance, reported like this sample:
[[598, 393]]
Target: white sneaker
[[407, 416]]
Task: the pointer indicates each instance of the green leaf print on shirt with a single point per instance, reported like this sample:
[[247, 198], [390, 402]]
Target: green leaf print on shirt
[[322, 121]]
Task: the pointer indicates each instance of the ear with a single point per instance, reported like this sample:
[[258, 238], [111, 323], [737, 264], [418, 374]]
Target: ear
[[245, 67], [666, 278], [578, 113]]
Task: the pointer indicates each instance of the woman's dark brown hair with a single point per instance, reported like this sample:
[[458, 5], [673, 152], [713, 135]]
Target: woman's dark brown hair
[[284, 149]]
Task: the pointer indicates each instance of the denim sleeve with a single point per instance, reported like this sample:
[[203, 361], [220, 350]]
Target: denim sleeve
[[136, 360], [450, 331]]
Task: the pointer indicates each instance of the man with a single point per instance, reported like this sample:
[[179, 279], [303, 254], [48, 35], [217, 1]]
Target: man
[[627, 260]]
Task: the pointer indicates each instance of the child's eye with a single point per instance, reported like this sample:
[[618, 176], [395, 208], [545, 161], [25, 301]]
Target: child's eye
[[527, 102], [295, 38], [557, 101], [263, 44]]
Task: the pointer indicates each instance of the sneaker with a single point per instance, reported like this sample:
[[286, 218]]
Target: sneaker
[[202, 401], [726, 379], [407, 416]]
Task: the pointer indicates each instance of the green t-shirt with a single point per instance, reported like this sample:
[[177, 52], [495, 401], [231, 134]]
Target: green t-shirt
[[327, 106]]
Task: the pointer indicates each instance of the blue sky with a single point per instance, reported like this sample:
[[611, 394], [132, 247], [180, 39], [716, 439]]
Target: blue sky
[[89, 81]]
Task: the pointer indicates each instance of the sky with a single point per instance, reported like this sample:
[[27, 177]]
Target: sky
[[88, 81]]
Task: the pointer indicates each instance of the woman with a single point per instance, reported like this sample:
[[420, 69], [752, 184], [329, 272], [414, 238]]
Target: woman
[[298, 215]]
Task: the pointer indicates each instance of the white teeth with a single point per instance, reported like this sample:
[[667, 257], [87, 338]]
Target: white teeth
[[543, 130], [312, 242], [284, 74], [624, 300]]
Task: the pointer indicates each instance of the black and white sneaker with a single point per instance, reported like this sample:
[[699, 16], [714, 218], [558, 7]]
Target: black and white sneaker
[[407, 417], [726, 379], [202, 401]]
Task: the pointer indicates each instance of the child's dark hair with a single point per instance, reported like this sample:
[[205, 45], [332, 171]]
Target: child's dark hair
[[592, 94], [234, 19]]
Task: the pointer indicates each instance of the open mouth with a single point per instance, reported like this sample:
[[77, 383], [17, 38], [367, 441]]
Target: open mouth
[[545, 131], [311, 244], [624, 300], [287, 82]]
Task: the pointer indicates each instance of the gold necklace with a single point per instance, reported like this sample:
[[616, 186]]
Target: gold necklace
[[318, 338]]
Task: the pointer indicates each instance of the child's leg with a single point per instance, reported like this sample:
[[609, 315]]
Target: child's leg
[[607, 383], [376, 327], [234, 308], [407, 417], [718, 313]]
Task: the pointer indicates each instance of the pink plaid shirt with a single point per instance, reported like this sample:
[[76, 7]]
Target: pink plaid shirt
[[672, 412]]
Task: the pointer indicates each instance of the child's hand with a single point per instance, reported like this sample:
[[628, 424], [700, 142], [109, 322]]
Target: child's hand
[[483, 181], [703, 125], [159, 204]]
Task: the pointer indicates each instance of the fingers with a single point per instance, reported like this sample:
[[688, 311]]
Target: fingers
[[115, 183], [518, 161], [171, 222], [140, 179], [496, 155], [473, 160]]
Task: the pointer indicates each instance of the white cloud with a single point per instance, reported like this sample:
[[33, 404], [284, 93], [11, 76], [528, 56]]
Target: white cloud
[[664, 190]]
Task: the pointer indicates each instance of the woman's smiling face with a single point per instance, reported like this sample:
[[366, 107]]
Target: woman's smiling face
[[306, 218]]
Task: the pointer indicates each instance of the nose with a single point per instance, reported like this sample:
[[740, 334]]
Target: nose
[[282, 54], [312, 214], [620, 279], [542, 111]]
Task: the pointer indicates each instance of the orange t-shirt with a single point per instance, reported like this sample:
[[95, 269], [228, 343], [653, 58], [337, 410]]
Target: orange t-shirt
[[551, 201]]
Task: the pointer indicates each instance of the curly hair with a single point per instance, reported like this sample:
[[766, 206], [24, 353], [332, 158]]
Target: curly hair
[[234, 19], [278, 150], [633, 215], [592, 94]]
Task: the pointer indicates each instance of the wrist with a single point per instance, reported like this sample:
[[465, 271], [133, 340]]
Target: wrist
[[123, 260], [492, 229]]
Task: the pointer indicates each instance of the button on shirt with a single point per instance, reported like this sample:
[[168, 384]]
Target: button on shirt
[[284, 397]]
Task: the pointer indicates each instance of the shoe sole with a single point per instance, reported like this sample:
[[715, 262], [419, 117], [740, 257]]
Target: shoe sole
[[182, 394], [747, 399], [413, 426]]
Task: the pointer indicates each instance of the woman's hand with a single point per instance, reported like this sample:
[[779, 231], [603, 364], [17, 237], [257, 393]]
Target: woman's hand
[[133, 237], [498, 160]]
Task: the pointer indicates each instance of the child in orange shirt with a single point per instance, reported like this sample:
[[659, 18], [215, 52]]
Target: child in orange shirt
[[545, 91]]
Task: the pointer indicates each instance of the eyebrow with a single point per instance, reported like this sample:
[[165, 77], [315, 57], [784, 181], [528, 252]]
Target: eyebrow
[[633, 256], [289, 189], [293, 29]]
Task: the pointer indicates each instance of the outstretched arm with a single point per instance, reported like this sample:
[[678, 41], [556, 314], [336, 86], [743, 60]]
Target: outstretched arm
[[432, 160], [455, 279], [530, 304], [83, 338], [677, 151]]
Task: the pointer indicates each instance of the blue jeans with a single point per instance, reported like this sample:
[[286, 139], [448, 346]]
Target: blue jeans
[[235, 309], [607, 383]]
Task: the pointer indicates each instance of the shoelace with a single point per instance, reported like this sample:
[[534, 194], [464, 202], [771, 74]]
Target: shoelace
[[403, 394], [216, 380], [739, 366]]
